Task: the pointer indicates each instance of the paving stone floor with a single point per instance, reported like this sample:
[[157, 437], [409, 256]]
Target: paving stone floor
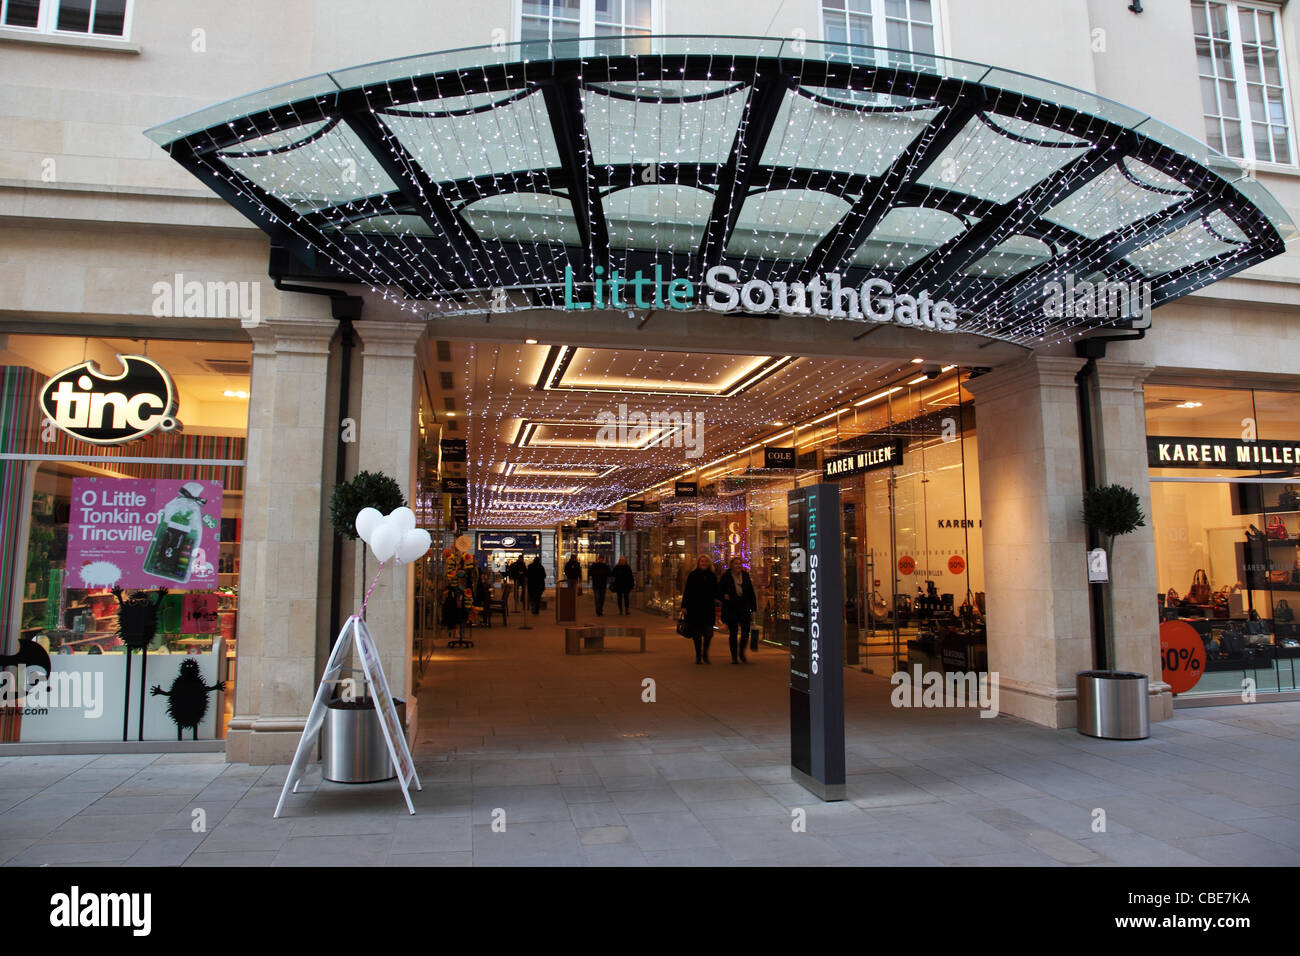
[[586, 772]]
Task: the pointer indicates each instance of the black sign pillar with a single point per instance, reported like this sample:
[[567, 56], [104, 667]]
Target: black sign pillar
[[816, 641]]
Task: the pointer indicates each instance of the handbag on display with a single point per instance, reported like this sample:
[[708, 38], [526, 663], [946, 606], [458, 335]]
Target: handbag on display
[[1200, 592], [1171, 598], [1282, 612], [1277, 529], [1222, 598], [1289, 500], [1279, 577]]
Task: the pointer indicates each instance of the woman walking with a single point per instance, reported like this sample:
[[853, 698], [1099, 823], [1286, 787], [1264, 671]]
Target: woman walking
[[738, 605], [697, 606]]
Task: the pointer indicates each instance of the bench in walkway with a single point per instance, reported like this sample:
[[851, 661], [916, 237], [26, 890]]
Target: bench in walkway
[[590, 638]]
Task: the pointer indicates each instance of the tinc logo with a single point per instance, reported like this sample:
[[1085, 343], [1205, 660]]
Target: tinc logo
[[111, 409]]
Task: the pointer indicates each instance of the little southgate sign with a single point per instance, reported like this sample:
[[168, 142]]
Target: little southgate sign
[[826, 296]]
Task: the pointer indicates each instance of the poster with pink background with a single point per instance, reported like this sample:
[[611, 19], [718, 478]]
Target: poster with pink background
[[144, 533]]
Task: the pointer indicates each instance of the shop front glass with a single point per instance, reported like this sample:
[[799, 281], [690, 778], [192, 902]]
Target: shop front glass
[[912, 531], [121, 552], [1225, 506]]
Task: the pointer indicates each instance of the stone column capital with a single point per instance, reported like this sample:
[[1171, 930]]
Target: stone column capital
[[309, 335], [1031, 372], [1123, 375], [390, 338]]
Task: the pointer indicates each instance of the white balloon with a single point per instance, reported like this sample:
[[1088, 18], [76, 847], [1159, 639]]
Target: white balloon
[[413, 545], [404, 518], [367, 520], [383, 540]]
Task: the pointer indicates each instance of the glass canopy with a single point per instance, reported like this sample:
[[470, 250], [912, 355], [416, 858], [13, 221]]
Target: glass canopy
[[489, 174]]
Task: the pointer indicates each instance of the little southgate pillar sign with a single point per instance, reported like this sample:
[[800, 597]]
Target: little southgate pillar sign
[[816, 641]]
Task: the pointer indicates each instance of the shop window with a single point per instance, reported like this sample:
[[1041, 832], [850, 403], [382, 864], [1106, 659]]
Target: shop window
[[907, 25], [557, 20], [1225, 508], [120, 561], [1242, 73], [110, 18]]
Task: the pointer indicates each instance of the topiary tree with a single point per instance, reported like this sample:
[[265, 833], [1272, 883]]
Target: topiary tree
[[369, 489], [1112, 511]]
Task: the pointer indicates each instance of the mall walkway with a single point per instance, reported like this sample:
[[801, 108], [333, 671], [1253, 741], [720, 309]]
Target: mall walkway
[[584, 771]]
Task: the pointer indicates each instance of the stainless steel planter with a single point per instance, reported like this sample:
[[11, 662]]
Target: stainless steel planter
[[1113, 706], [352, 742]]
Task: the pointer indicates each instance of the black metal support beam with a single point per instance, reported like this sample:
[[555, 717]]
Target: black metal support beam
[[421, 191], [1101, 254], [564, 107], [279, 220], [875, 203], [733, 179], [937, 269]]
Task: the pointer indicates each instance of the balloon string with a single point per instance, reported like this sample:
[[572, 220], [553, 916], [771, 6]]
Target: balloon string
[[371, 589]]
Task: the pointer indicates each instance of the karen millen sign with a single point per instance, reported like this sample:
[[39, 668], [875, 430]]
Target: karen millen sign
[[1180, 452], [865, 459]]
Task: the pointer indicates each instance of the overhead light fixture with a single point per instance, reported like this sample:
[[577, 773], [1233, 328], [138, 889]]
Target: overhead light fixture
[[919, 379], [947, 368], [1189, 405], [878, 396], [451, 414], [530, 341], [778, 424], [917, 361], [236, 393]]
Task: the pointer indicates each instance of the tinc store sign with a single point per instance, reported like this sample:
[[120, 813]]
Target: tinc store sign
[[104, 409]]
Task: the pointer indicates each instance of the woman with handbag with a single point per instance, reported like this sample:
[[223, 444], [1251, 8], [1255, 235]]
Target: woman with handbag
[[739, 603], [697, 607]]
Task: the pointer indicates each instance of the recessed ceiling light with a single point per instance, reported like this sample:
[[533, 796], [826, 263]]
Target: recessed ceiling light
[[947, 368], [451, 414], [1190, 405], [236, 393], [778, 424], [918, 380], [530, 341], [917, 361]]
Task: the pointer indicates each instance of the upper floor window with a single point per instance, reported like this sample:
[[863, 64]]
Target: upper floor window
[[566, 19], [897, 24], [1243, 80], [90, 17]]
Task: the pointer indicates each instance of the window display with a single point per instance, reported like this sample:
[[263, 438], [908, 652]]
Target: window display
[[1225, 502]]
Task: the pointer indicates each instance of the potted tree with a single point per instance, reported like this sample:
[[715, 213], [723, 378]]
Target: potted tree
[[1112, 704], [352, 742]]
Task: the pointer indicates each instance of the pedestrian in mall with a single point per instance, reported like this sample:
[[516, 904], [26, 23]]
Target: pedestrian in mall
[[621, 583], [573, 572], [598, 574], [698, 598], [519, 576], [536, 584], [739, 603]]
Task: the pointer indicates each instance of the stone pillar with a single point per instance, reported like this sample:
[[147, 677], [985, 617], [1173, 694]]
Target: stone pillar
[[1122, 441], [281, 550], [1035, 568], [387, 433]]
